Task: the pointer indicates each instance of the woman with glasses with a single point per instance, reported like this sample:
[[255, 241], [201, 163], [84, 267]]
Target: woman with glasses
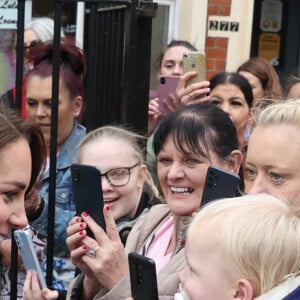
[[126, 183], [186, 143]]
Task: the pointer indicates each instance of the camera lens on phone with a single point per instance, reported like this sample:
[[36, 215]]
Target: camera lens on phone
[[162, 80]]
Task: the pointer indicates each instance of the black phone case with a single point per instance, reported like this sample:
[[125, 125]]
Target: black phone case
[[219, 184], [142, 277], [86, 181]]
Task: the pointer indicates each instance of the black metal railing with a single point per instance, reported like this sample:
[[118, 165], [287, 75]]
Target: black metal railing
[[117, 42], [118, 45]]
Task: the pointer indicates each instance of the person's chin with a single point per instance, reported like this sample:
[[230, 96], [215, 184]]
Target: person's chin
[[181, 210]]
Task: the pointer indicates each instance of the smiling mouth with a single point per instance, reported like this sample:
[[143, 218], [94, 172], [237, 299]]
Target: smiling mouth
[[108, 201], [181, 190]]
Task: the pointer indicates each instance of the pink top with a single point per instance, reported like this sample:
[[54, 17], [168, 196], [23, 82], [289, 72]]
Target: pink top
[[157, 245]]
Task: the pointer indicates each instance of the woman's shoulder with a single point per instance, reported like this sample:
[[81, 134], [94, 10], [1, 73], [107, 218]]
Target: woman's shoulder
[[156, 214], [146, 224]]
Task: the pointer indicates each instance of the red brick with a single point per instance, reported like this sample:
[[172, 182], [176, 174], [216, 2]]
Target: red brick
[[224, 10], [216, 53], [210, 42], [220, 65], [220, 2], [212, 10], [211, 74], [222, 42], [210, 64]]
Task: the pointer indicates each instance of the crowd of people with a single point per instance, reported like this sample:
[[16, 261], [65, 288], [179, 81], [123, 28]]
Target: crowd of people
[[243, 248]]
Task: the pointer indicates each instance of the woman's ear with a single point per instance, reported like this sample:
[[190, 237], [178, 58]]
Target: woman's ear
[[251, 115], [244, 290], [77, 106], [142, 175], [235, 160]]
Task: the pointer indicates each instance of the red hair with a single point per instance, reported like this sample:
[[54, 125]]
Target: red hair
[[72, 65]]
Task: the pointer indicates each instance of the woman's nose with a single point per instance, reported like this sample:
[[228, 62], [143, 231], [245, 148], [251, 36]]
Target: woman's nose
[[18, 217], [177, 70], [258, 185], [40, 110], [226, 108], [106, 185], [176, 171]]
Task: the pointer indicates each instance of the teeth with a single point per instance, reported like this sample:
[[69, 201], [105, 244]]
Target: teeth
[[109, 200], [183, 190]]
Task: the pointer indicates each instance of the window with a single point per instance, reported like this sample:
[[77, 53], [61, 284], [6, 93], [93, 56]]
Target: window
[[163, 31]]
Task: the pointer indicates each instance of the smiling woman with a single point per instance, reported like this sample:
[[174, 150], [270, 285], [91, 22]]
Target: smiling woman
[[186, 143], [126, 182], [20, 141], [22, 157]]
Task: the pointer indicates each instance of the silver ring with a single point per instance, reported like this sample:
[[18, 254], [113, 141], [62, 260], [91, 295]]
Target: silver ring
[[92, 252]]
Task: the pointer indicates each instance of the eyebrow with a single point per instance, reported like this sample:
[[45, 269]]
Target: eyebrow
[[169, 61], [33, 99], [20, 185]]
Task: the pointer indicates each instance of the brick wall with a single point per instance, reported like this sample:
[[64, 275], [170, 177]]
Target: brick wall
[[216, 48]]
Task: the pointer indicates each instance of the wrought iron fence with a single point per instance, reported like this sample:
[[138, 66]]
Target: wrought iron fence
[[117, 43]]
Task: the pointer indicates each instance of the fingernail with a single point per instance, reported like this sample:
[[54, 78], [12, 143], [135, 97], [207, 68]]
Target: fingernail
[[78, 219], [85, 214], [81, 225], [85, 247], [81, 232], [107, 207]]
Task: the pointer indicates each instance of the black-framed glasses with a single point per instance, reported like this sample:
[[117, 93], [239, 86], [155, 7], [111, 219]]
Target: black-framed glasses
[[31, 44], [119, 176]]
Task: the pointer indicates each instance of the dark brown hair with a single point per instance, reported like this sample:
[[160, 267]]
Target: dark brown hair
[[12, 128], [265, 72]]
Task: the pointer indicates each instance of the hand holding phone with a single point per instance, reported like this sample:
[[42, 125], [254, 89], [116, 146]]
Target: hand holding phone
[[142, 277], [86, 181], [167, 86], [195, 61], [219, 184], [29, 257]]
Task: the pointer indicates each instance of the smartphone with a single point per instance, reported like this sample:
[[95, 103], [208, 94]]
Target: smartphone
[[219, 183], [142, 277], [29, 257], [86, 181], [167, 86], [195, 61]]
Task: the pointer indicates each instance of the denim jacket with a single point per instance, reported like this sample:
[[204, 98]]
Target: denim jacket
[[64, 200]]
